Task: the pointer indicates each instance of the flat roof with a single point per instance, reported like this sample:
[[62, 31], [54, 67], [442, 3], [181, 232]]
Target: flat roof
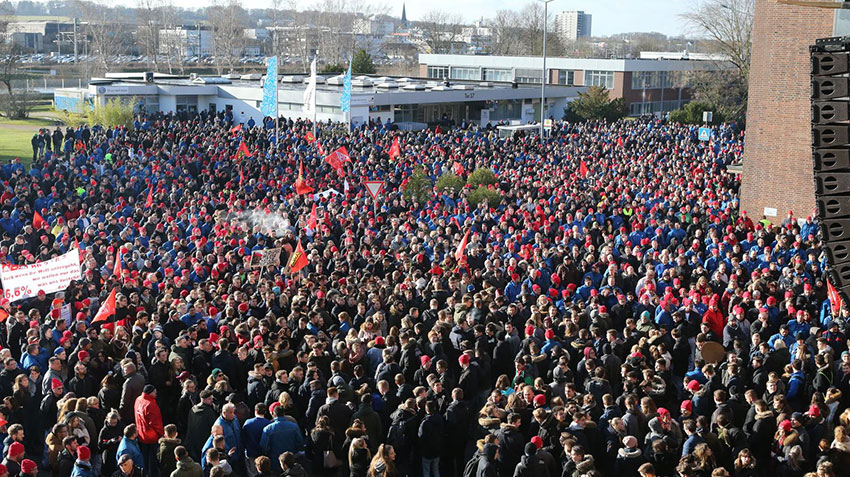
[[361, 84], [536, 62]]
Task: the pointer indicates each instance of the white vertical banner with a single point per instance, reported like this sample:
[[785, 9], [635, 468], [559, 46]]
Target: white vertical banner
[[310, 91]]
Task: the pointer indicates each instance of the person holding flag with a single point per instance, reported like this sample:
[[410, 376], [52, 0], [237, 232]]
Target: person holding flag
[[298, 260], [301, 186]]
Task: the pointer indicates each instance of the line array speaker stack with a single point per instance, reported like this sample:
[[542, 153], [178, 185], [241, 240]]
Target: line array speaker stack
[[831, 153]]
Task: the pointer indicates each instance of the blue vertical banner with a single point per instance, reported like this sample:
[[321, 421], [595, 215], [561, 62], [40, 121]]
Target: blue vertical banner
[[269, 106], [345, 99]]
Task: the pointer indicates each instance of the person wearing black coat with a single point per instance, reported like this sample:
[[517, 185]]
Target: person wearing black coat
[[457, 417], [108, 440], [530, 464], [431, 434], [201, 419], [487, 464], [66, 459], [338, 413], [359, 458], [511, 444]]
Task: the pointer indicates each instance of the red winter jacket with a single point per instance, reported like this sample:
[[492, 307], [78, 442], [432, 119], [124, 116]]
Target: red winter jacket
[[715, 321], [148, 419]]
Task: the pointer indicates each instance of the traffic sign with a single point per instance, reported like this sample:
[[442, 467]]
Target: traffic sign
[[704, 134], [374, 188]]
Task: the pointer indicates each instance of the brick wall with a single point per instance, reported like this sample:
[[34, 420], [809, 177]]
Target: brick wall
[[778, 155]]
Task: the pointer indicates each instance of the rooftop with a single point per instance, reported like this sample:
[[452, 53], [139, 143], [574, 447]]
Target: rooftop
[[327, 82]]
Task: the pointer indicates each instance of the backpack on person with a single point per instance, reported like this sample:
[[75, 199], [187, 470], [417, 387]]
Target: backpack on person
[[471, 467]]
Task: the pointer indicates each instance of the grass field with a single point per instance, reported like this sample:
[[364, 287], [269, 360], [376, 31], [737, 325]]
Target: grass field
[[15, 134]]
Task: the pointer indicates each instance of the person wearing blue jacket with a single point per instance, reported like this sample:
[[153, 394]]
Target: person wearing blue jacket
[[796, 394], [130, 445], [230, 425], [282, 435], [252, 431]]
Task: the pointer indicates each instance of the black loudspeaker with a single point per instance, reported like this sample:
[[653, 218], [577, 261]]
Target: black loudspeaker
[[148, 76], [825, 112], [830, 64]]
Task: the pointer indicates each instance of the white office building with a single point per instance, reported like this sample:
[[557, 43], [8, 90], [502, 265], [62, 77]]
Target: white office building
[[412, 103]]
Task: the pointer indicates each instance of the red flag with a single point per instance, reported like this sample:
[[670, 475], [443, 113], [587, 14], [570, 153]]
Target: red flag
[[242, 151], [461, 250], [241, 176], [107, 309], [309, 136], [620, 141], [395, 149], [236, 129], [313, 222], [301, 187], [834, 298], [37, 221], [149, 201], [320, 149], [3, 315], [342, 154], [336, 160], [458, 169], [582, 169], [298, 259], [117, 269]]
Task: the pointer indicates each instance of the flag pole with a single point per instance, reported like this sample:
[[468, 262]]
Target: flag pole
[[276, 117]]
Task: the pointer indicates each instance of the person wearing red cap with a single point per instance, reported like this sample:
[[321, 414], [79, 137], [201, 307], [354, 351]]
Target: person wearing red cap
[[83, 467], [29, 468], [14, 457], [470, 379], [420, 376]]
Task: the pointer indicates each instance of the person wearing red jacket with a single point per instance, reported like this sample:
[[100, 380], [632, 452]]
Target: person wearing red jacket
[[714, 317], [149, 426]]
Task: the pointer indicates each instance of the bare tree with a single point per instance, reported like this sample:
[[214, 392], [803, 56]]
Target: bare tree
[[104, 39], [150, 20], [729, 24], [507, 33], [440, 30], [228, 19]]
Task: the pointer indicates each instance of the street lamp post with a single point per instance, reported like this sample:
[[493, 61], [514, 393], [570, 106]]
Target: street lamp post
[[543, 76]]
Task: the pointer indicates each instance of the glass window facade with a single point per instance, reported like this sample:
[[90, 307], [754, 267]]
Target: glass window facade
[[496, 74], [528, 76], [653, 107], [566, 77], [599, 78], [655, 79], [462, 73], [438, 72]]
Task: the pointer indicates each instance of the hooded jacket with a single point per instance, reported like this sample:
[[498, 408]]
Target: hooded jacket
[[187, 468], [201, 419], [487, 466]]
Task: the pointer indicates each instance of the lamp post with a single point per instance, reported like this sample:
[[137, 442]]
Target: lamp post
[[543, 76]]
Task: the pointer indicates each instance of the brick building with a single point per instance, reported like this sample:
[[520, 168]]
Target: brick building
[[777, 173], [647, 85]]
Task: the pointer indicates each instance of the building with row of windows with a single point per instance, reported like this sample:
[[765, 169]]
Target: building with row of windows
[[647, 85], [412, 103]]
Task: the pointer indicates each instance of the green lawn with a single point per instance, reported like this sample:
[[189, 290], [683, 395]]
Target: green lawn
[[15, 142], [15, 134]]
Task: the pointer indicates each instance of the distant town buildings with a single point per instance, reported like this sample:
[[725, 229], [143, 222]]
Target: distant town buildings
[[572, 25], [186, 41]]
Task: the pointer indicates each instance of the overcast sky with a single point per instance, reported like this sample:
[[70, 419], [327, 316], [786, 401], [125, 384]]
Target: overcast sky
[[609, 16]]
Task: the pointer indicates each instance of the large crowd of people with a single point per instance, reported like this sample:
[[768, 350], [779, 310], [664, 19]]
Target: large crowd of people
[[614, 312]]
